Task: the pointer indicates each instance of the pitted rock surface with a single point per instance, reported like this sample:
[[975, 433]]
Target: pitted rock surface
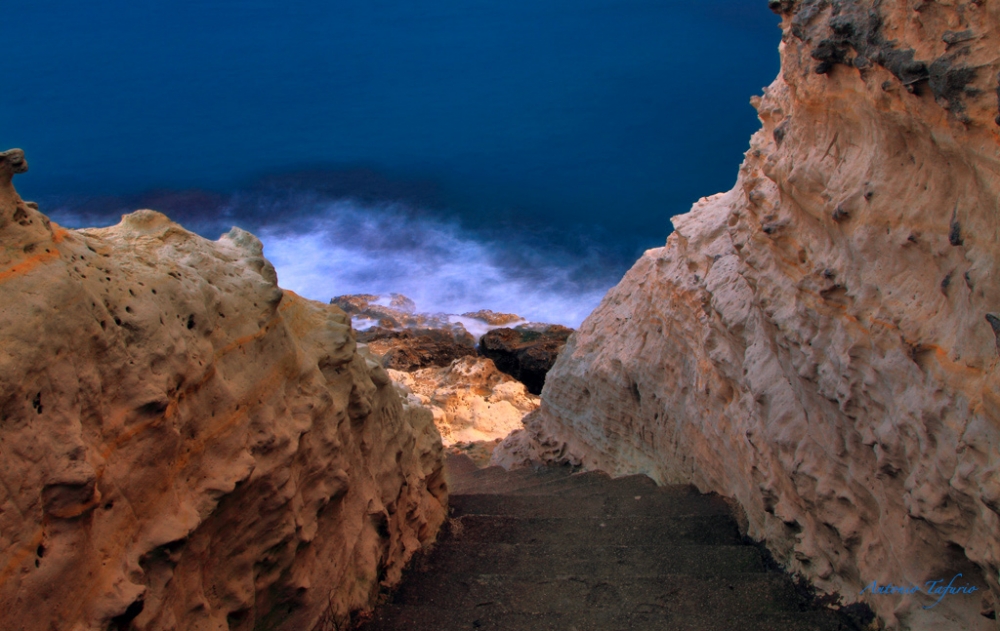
[[183, 445]]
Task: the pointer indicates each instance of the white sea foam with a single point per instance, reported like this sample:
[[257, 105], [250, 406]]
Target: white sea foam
[[347, 248]]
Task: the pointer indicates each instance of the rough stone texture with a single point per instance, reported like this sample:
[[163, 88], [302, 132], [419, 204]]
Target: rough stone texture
[[183, 445], [819, 343], [396, 312], [525, 352], [494, 318], [413, 349], [471, 400]]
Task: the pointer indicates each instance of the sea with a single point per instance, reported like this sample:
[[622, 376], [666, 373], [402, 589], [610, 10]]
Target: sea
[[513, 155]]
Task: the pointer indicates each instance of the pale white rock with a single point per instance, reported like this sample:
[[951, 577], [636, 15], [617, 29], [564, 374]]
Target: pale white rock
[[471, 400], [817, 343]]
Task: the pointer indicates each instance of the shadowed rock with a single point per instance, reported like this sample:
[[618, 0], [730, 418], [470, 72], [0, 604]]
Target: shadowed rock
[[413, 349], [525, 353]]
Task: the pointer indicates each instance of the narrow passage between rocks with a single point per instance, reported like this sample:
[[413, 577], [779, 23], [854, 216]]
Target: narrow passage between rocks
[[549, 549]]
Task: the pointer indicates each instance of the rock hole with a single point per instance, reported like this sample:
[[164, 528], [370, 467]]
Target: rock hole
[[920, 355], [945, 283], [128, 309], [190, 322], [123, 621], [235, 619], [153, 290], [37, 403], [131, 292], [955, 233], [40, 551], [381, 523], [153, 408], [836, 295], [118, 321], [994, 320]]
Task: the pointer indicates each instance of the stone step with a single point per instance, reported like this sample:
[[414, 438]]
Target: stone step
[[615, 531], [456, 466], [487, 618], [551, 560], [497, 480], [664, 505], [548, 549], [673, 594], [598, 483]]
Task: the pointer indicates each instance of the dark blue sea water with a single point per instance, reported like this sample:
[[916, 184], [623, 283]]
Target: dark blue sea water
[[515, 154]]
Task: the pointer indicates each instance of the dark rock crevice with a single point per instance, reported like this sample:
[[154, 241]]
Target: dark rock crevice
[[525, 353]]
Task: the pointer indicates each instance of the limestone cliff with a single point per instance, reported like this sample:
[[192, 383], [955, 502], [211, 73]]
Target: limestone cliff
[[183, 445], [820, 343]]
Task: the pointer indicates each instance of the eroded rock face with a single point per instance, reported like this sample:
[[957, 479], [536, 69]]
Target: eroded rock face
[[820, 343], [471, 400], [186, 446]]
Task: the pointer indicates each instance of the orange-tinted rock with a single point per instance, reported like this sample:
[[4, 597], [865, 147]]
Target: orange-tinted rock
[[494, 318], [819, 344], [470, 399], [186, 446]]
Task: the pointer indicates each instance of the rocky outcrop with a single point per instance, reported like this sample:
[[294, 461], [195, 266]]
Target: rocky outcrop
[[185, 445], [525, 352], [403, 338], [820, 343], [413, 349], [494, 318], [471, 400]]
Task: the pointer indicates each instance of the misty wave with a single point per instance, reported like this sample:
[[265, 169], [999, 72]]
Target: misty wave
[[325, 245], [346, 247]]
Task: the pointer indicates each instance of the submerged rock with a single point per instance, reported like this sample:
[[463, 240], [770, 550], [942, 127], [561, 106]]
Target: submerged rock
[[187, 446]]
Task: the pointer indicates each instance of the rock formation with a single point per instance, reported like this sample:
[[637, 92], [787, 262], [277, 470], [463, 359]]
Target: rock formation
[[183, 445], [413, 349], [471, 400], [494, 318], [820, 343], [526, 352], [403, 338]]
